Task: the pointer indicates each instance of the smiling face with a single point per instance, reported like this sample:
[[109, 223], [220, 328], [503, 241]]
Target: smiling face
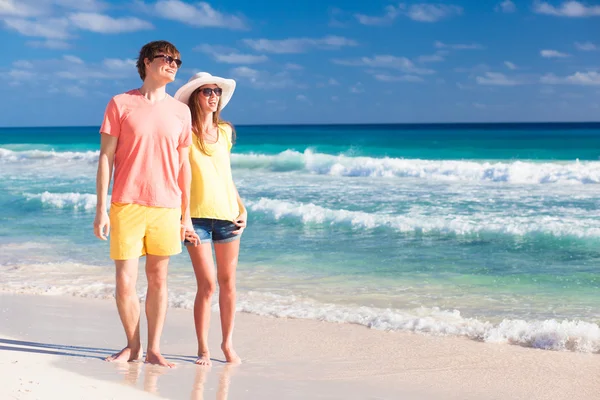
[[159, 60], [209, 97], [162, 68]]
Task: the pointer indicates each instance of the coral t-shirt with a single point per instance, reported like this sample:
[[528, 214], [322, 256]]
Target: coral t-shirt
[[146, 164]]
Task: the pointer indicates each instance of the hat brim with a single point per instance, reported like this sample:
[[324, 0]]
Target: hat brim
[[228, 85]]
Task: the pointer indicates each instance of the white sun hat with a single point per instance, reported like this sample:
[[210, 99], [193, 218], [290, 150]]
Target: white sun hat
[[204, 78]]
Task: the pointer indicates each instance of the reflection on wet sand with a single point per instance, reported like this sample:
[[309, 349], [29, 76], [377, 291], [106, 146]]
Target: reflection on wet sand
[[151, 373], [224, 381]]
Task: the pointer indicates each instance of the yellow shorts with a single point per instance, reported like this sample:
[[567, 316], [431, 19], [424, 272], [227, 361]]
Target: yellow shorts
[[137, 230]]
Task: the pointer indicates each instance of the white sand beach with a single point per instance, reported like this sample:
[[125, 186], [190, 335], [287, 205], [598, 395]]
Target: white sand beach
[[52, 348]]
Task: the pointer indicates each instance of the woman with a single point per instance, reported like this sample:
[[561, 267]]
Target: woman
[[218, 213]]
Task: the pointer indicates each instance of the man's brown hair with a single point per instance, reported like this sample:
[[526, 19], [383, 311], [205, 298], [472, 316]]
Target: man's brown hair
[[151, 50]]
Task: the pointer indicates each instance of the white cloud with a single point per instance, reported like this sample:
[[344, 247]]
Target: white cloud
[[82, 5], [73, 59], [390, 14], [510, 65], [385, 61], [587, 46], [298, 45], [21, 75], [431, 12], [477, 69], [100, 23], [71, 71], [245, 72], [51, 28], [293, 67], [302, 98], [358, 88], [496, 79], [237, 58], [75, 91], [264, 79], [590, 78], [417, 12], [17, 8], [22, 64], [396, 78], [333, 82], [472, 46], [335, 17], [202, 14], [437, 57], [506, 6], [119, 64], [49, 44], [571, 9], [37, 8], [228, 55], [553, 54]]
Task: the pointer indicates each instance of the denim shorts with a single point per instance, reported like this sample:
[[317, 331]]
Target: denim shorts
[[214, 230]]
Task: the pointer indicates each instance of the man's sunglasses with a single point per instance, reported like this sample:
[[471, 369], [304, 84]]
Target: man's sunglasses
[[207, 92], [169, 59]]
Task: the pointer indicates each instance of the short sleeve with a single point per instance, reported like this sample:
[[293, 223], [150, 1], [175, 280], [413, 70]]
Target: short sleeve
[[185, 139], [111, 125], [228, 132]]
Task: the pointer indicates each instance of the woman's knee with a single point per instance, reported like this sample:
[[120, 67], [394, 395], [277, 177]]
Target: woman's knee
[[227, 283], [206, 288]]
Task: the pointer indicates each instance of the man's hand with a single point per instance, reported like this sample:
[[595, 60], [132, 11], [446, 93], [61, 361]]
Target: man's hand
[[101, 225], [240, 222]]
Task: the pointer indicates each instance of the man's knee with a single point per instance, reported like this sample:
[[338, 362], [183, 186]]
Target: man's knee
[[126, 284], [157, 280]]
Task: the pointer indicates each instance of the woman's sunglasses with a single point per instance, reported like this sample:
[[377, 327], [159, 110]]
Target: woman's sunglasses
[[169, 59], [207, 92]]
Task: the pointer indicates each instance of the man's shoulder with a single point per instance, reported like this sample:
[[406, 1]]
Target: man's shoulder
[[125, 96], [179, 106]]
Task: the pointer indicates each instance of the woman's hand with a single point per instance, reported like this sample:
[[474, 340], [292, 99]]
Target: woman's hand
[[240, 222], [188, 233]]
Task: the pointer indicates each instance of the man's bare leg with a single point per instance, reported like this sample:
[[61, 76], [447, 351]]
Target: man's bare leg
[[227, 260], [156, 306], [128, 305]]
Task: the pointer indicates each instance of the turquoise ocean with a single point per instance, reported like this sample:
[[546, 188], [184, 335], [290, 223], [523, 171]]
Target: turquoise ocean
[[489, 231]]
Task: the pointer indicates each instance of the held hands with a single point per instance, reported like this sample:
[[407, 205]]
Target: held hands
[[101, 225], [240, 222], [188, 233]]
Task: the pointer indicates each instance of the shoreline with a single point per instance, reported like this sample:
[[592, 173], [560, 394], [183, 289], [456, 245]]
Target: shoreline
[[283, 358]]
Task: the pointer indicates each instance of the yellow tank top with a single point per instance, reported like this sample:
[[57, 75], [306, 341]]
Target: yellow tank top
[[212, 193]]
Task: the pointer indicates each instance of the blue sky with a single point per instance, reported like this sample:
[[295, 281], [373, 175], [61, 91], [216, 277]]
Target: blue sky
[[326, 61]]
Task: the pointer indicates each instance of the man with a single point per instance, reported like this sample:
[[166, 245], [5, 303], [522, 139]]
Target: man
[[145, 134]]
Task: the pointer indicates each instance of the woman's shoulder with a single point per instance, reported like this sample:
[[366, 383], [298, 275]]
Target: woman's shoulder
[[226, 126]]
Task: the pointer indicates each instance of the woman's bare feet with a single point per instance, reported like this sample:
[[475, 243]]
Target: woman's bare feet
[[126, 355], [204, 358], [157, 359], [230, 354]]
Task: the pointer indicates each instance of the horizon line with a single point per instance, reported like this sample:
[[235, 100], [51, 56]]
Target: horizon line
[[354, 124]]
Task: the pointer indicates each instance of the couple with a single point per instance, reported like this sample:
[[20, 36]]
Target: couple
[[172, 183]]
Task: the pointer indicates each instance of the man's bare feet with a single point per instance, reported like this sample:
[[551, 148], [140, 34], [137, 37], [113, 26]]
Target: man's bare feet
[[230, 354], [204, 358], [157, 359], [126, 355]]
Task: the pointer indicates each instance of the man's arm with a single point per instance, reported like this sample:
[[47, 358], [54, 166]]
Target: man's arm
[[184, 182], [108, 146]]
